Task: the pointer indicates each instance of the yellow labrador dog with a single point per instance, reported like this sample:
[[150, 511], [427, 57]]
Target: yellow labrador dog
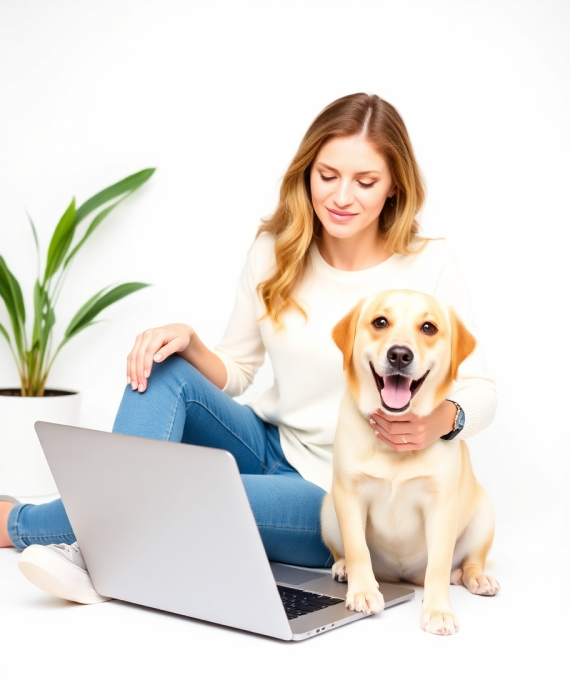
[[418, 516]]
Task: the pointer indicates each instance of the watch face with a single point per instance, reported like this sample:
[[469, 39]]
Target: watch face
[[460, 420]]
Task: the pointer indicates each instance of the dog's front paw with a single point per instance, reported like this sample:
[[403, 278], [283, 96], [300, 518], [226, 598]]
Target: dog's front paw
[[482, 584], [439, 622], [339, 570], [367, 600]]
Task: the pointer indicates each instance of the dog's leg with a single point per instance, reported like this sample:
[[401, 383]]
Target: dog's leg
[[330, 532], [440, 524], [479, 538], [339, 569], [363, 594]]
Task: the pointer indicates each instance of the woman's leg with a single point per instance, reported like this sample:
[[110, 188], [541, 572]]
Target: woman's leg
[[287, 511], [179, 405], [46, 523], [6, 507], [286, 508]]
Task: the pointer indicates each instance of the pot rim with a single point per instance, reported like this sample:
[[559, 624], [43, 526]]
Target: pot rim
[[14, 393]]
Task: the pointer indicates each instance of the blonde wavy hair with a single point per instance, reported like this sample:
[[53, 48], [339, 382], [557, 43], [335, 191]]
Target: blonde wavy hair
[[294, 223]]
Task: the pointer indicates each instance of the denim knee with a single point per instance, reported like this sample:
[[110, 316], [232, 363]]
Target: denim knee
[[174, 369], [160, 411]]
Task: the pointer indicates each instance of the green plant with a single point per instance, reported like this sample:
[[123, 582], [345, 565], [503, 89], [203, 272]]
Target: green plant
[[33, 356]]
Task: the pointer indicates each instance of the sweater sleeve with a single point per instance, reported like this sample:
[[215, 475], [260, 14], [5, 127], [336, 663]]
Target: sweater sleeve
[[474, 389], [242, 349]]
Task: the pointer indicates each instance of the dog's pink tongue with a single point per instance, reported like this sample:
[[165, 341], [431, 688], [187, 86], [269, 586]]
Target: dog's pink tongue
[[396, 392]]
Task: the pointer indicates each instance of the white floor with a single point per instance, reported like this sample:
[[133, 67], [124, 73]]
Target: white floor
[[518, 640]]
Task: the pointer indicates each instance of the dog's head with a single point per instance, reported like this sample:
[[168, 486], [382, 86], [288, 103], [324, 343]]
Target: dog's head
[[401, 351]]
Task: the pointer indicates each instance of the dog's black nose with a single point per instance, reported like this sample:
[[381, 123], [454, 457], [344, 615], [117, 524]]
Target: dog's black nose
[[400, 356]]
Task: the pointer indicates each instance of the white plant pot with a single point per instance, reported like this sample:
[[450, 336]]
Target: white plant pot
[[24, 472]]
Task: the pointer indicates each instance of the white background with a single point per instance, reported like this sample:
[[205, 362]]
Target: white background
[[217, 95]]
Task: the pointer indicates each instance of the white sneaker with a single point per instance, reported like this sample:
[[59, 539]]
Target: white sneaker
[[59, 569]]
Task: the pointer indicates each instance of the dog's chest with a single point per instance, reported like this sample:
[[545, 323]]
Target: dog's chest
[[395, 515]]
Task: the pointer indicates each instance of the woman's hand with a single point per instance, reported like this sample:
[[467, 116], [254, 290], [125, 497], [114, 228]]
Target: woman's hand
[[410, 432], [155, 345]]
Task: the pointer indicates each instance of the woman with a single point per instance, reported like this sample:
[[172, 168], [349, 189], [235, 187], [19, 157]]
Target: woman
[[345, 227]]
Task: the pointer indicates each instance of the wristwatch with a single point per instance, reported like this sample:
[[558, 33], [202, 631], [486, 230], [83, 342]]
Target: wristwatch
[[458, 422]]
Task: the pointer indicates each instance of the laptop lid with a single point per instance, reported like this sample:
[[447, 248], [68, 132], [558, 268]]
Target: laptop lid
[[201, 557]]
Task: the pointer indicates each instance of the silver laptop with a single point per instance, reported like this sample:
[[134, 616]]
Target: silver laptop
[[169, 526]]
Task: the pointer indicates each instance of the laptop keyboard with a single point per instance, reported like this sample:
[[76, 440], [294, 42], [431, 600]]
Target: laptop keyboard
[[298, 603]]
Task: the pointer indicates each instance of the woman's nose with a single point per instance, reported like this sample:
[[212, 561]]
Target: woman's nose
[[343, 194]]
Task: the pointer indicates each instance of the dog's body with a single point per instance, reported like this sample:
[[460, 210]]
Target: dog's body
[[418, 516]]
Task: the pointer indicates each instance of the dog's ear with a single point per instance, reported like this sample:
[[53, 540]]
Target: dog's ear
[[462, 342], [343, 334]]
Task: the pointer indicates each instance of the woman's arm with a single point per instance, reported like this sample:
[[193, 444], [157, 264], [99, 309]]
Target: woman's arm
[[474, 390], [242, 348], [233, 363]]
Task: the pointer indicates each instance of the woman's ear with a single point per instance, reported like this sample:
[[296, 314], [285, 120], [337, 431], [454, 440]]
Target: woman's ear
[[343, 334], [462, 342]]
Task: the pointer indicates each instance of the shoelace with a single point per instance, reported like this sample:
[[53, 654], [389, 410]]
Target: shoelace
[[69, 548]]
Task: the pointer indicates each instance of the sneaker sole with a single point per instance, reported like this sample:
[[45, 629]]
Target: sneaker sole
[[47, 571]]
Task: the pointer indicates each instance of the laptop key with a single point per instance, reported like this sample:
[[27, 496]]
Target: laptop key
[[298, 603]]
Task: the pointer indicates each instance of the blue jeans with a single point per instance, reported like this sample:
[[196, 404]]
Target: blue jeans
[[182, 405]]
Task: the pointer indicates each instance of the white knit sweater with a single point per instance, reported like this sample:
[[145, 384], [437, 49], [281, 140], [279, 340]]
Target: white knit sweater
[[307, 365]]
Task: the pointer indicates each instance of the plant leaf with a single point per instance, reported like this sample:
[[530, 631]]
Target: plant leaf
[[96, 221], [75, 332], [60, 241], [5, 334], [65, 341], [96, 304], [128, 184], [11, 293], [44, 320], [84, 309], [38, 309], [36, 241]]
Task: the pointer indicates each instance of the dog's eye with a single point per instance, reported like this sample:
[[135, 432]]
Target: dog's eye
[[429, 329], [380, 322]]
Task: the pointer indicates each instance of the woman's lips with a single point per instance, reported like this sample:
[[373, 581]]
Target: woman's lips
[[341, 216]]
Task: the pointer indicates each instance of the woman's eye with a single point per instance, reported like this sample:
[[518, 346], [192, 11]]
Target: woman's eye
[[380, 322], [429, 329], [364, 185]]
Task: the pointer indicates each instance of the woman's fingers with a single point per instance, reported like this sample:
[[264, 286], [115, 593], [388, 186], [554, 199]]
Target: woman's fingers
[[151, 342], [393, 431], [402, 443], [169, 349], [131, 363], [407, 432], [154, 345], [390, 427], [139, 361]]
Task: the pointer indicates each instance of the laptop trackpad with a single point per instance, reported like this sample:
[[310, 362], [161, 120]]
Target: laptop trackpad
[[291, 575]]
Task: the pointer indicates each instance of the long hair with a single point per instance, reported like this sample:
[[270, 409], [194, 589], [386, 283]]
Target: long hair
[[294, 223]]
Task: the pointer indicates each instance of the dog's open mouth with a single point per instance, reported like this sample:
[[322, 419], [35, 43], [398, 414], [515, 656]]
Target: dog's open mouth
[[396, 391]]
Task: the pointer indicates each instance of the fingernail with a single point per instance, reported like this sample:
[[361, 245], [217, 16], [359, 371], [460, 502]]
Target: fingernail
[[128, 380], [141, 388], [133, 385], [145, 372], [157, 358]]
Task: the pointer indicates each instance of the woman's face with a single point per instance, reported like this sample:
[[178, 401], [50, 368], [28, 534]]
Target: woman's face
[[350, 183]]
